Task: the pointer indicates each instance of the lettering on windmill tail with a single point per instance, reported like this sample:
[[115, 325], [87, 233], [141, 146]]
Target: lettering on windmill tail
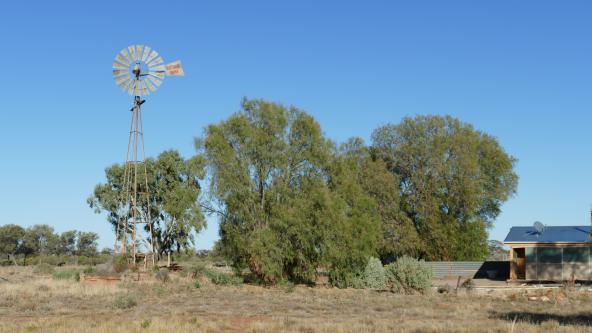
[[174, 68]]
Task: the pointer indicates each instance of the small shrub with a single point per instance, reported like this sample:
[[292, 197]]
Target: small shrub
[[124, 302], [146, 323], [287, 286], [198, 270], [196, 284], [409, 275], [224, 279], [162, 275], [89, 270], [68, 274], [119, 264], [373, 277], [158, 290], [445, 289], [43, 269]]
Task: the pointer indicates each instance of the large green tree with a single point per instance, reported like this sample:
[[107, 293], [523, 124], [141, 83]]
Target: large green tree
[[40, 239], [453, 180], [86, 244], [399, 235], [11, 240], [66, 243], [286, 204], [174, 189]]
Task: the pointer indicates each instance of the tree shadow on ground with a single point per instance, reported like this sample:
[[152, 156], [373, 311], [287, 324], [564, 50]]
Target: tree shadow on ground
[[577, 319]]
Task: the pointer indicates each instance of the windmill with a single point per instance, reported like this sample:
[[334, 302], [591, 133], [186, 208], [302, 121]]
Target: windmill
[[138, 70]]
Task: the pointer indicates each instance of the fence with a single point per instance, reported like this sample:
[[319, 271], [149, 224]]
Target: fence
[[495, 270]]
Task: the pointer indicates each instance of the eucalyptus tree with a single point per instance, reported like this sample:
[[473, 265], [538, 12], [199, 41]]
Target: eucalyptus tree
[[453, 181], [11, 240], [173, 185], [285, 205], [66, 243], [398, 234], [86, 243], [40, 239]]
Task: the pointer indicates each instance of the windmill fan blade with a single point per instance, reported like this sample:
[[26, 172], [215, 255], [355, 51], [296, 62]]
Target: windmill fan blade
[[122, 79], [138, 88], [123, 85], [159, 75], [145, 91], [159, 68], [155, 62], [132, 53], [126, 54], [146, 53], [139, 52], [153, 55], [118, 72], [122, 59], [132, 86], [149, 84], [118, 65], [155, 81]]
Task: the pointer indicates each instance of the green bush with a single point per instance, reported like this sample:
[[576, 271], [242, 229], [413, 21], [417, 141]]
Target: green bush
[[84, 261], [224, 279], [409, 275], [89, 270], [198, 270], [43, 269], [124, 302], [68, 274], [119, 264], [374, 276]]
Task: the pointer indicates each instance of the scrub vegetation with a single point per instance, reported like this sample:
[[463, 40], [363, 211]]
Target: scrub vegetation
[[35, 302]]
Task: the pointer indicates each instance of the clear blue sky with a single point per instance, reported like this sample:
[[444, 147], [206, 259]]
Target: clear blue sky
[[519, 70]]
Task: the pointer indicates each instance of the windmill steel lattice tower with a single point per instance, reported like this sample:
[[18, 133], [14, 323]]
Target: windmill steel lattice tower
[[138, 70]]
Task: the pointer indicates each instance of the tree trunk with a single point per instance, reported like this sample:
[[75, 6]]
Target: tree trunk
[[13, 258], [169, 259]]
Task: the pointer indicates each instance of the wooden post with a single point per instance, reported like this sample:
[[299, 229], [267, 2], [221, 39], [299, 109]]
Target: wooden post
[[512, 265]]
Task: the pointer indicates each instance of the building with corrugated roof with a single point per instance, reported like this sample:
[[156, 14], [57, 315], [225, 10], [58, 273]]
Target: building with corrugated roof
[[551, 253]]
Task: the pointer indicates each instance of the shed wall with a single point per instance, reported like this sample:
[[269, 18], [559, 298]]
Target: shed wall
[[556, 263]]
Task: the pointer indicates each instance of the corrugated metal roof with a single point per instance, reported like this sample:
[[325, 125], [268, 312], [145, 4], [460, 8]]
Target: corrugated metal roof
[[551, 234]]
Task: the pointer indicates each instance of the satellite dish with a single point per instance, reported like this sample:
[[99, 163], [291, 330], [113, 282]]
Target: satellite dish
[[539, 227], [138, 70]]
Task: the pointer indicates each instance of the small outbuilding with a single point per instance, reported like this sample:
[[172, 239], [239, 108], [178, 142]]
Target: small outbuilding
[[552, 253]]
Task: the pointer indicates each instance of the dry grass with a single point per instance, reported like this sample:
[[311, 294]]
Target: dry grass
[[31, 303]]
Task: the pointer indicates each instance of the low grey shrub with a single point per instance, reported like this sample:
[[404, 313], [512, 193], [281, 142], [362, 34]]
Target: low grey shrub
[[374, 276], [409, 275], [43, 269], [162, 275], [124, 302]]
